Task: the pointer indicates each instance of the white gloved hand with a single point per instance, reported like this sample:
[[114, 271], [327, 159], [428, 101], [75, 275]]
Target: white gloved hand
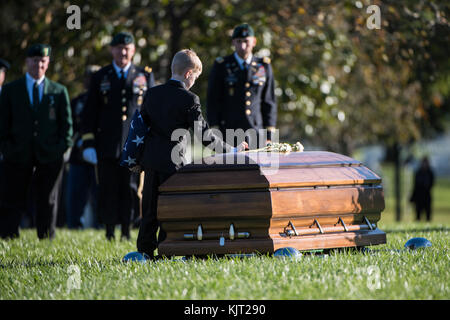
[[90, 155]]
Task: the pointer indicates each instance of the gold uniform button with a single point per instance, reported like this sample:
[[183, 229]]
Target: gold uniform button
[[124, 91], [124, 108], [248, 93], [124, 100], [248, 102], [124, 117], [247, 84], [248, 112]]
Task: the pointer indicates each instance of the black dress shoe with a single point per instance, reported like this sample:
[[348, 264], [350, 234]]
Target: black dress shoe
[[125, 237], [110, 232]]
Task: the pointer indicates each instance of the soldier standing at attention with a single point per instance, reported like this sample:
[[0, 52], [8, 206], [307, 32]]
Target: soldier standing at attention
[[35, 132], [115, 93], [241, 89], [4, 65]]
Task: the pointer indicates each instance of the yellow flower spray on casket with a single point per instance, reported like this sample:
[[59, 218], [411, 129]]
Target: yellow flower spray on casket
[[281, 147]]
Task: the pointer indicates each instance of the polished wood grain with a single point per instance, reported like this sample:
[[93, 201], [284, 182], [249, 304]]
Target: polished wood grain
[[217, 205], [325, 201], [265, 200], [298, 169]]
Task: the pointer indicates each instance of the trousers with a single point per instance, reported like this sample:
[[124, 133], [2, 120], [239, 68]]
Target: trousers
[[16, 183]]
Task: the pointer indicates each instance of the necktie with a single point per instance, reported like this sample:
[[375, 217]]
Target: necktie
[[35, 95], [122, 78]]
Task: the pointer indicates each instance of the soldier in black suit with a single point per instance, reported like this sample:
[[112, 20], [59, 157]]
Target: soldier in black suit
[[169, 107], [241, 90], [115, 92], [35, 132]]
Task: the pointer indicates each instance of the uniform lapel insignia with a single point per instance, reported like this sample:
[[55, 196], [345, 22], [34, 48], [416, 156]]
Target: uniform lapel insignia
[[52, 113]]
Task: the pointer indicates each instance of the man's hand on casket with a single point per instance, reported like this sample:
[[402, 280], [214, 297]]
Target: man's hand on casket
[[242, 147], [90, 155], [136, 169]]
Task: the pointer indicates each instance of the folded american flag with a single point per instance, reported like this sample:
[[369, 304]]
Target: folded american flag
[[134, 147]]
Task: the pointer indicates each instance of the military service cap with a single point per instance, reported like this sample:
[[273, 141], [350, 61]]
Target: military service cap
[[4, 64], [39, 50], [243, 31], [122, 38]]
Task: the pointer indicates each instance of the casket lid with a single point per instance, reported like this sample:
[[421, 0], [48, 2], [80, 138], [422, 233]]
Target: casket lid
[[254, 160], [265, 170]]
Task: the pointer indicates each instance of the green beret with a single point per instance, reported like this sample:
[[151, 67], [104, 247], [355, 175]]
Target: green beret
[[122, 38], [243, 31], [4, 64], [39, 50]]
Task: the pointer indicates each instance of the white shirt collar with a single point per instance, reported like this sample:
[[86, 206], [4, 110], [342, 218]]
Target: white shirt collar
[[125, 69], [31, 80], [241, 61]]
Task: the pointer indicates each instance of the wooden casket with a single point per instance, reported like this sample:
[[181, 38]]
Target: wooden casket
[[259, 202]]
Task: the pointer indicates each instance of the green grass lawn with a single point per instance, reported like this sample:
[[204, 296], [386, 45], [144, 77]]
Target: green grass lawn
[[33, 269]]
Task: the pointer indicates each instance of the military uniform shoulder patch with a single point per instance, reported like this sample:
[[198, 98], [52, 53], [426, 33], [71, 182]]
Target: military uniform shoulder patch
[[266, 60], [219, 59], [148, 69]]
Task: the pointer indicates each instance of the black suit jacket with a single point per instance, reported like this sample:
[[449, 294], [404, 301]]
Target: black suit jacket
[[169, 107], [42, 134]]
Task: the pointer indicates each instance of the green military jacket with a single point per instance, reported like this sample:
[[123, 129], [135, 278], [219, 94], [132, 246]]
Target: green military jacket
[[28, 135]]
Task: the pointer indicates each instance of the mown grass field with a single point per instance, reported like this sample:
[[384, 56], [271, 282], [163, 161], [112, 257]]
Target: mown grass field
[[83, 265]]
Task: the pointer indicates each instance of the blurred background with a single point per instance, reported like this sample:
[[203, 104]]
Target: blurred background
[[378, 95]]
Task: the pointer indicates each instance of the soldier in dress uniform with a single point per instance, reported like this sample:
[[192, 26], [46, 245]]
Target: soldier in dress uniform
[[241, 89], [115, 93], [4, 66], [35, 132]]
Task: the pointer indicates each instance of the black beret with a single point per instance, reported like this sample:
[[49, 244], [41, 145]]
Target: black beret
[[243, 31], [39, 50], [4, 64], [122, 38]]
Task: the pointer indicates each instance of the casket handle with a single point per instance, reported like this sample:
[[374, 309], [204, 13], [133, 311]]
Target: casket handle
[[231, 232], [368, 223], [199, 232], [343, 224], [318, 225], [292, 232]]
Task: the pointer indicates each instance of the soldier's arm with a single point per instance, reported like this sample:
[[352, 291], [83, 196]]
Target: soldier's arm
[[268, 102], [214, 98], [66, 128], [5, 114], [89, 115], [151, 77]]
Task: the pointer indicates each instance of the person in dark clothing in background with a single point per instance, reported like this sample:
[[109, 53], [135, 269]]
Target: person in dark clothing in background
[[81, 187], [116, 91], [35, 132], [421, 195]]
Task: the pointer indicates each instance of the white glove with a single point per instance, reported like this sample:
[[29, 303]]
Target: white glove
[[90, 155]]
